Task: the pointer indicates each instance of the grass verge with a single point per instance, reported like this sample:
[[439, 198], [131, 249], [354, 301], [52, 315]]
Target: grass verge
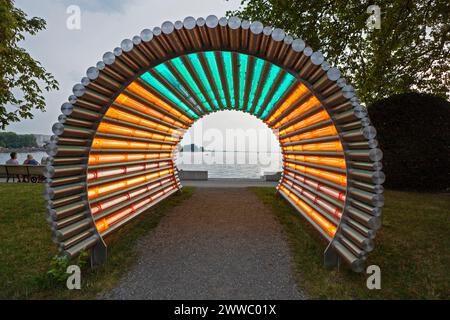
[[411, 248], [26, 249]]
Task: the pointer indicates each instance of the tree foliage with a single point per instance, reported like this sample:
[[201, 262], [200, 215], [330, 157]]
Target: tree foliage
[[12, 140], [411, 50], [413, 132], [21, 77]]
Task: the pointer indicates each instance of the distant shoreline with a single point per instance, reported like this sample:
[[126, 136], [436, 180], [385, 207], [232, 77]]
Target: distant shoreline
[[22, 150]]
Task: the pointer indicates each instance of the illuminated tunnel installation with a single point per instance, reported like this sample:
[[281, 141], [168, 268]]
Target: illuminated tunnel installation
[[111, 156]]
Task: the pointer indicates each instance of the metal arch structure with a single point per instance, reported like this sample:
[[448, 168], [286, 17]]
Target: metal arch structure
[[111, 156]]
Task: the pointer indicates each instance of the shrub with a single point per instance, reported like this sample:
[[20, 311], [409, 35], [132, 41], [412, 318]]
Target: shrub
[[414, 134]]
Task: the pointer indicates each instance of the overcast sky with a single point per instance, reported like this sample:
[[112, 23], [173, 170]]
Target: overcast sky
[[104, 24]]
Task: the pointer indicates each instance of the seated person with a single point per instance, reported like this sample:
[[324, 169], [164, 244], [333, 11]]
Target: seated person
[[30, 161], [13, 162]]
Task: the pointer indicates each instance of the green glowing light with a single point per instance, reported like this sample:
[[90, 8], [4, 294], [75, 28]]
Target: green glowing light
[[165, 72], [181, 68], [287, 81], [212, 63], [226, 57], [259, 63], [193, 58], [273, 74], [151, 80], [243, 62]]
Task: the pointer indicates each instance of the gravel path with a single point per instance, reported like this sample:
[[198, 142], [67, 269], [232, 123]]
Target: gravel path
[[219, 244]]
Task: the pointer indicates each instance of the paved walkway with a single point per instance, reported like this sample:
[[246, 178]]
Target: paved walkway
[[222, 243]]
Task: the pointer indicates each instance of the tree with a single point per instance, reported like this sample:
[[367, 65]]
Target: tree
[[12, 140], [21, 76], [412, 130], [410, 51]]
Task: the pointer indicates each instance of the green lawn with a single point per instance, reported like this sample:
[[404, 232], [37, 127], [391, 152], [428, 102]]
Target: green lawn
[[412, 249], [26, 248]]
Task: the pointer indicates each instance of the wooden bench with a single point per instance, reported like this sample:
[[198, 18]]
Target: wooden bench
[[32, 173]]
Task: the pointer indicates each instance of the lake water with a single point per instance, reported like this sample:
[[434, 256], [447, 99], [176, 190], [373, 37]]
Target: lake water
[[246, 165]]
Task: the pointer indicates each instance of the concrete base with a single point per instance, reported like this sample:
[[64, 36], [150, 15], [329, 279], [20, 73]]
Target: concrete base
[[193, 175], [229, 183], [272, 176]]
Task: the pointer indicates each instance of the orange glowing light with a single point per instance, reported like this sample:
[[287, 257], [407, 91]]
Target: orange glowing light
[[147, 95], [110, 158], [107, 222], [304, 107], [127, 131], [326, 225], [125, 116], [334, 177], [299, 92], [95, 192], [100, 143], [322, 132], [320, 116], [317, 186], [323, 146], [335, 162], [98, 174], [129, 102]]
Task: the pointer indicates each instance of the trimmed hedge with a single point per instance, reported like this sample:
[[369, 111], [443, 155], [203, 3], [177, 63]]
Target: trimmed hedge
[[414, 134]]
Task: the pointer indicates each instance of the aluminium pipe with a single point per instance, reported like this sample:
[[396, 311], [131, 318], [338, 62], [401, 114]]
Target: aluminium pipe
[[355, 263], [305, 216], [370, 221], [357, 238], [131, 188], [358, 252], [95, 183], [52, 204], [64, 180], [181, 33], [310, 200], [374, 188], [323, 192], [64, 222], [132, 200], [366, 232], [193, 28], [372, 210], [223, 32], [274, 45], [68, 210], [376, 177], [51, 171], [83, 245], [365, 155], [266, 36], [318, 179], [128, 163], [373, 199], [73, 229], [126, 60], [121, 223], [64, 245], [54, 193]]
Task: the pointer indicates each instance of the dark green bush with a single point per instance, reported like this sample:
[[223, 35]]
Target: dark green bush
[[414, 134]]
